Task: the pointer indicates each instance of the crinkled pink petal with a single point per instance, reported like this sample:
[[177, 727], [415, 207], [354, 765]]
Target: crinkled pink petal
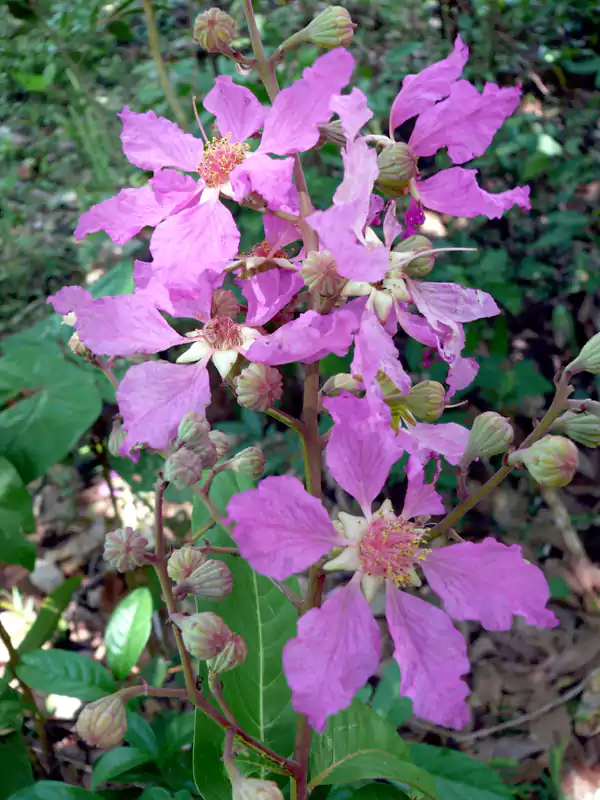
[[336, 651], [489, 582], [190, 302], [362, 447], [417, 328], [293, 123], [271, 178], [353, 111], [456, 191], [237, 110], [461, 374], [268, 292], [280, 528], [376, 206], [279, 232], [203, 237], [421, 498], [169, 181], [354, 192], [432, 656], [152, 142], [153, 398], [450, 301], [391, 227], [448, 439], [71, 298], [465, 123], [374, 350], [308, 338], [433, 83]]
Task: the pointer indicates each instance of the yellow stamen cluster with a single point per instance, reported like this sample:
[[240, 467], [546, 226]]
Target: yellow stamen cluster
[[220, 158], [391, 548]]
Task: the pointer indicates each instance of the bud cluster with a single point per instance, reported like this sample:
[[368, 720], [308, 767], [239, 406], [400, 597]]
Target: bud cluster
[[207, 638], [194, 451]]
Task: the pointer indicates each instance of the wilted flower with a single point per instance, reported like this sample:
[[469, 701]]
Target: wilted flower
[[125, 549], [258, 386], [103, 723], [553, 461]]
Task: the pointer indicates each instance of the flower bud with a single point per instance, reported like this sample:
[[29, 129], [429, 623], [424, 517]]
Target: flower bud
[[183, 562], [211, 580], [332, 28], [221, 443], [125, 549], [320, 274], [258, 386], [426, 400], [193, 431], [204, 634], [78, 348], [185, 467], [552, 461], [341, 383], [333, 132], [214, 30], [403, 256], [224, 304], [231, 656], [116, 437], [256, 789], [103, 723], [490, 434], [397, 165], [588, 359], [250, 461], [583, 428]]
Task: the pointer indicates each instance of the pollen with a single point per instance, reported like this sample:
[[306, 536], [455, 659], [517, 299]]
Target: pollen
[[391, 549], [220, 158], [223, 333]]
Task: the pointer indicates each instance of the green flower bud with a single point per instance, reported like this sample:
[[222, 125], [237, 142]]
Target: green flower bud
[[125, 549], [214, 30], [397, 166], [258, 386], [552, 461], [333, 132], [221, 443], [185, 467], [231, 656], [250, 461], [426, 400], [320, 274], [204, 634], [103, 723], [183, 562], [211, 580], [341, 383], [116, 437], [192, 433], [403, 256], [332, 28], [490, 434], [583, 428], [256, 789], [588, 359]]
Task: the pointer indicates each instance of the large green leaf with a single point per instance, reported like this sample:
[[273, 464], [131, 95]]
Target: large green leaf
[[16, 518], [52, 403], [128, 631], [49, 615], [52, 790], [458, 776], [140, 735], [11, 709], [379, 791], [209, 773], [64, 672], [358, 744], [15, 766], [115, 762]]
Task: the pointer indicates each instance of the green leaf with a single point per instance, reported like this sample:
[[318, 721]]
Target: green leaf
[[358, 744], [155, 793], [140, 735], [49, 615], [15, 766], [11, 709], [16, 518], [209, 773], [64, 672], [53, 403], [53, 790], [128, 631], [386, 698], [458, 776], [114, 763], [178, 733], [379, 791]]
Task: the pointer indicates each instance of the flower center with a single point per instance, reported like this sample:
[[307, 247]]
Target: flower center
[[219, 159], [390, 549], [222, 333]]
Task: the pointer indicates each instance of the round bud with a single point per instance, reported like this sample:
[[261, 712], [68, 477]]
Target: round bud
[[258, 386], [256, 789], [103, 723], [332, 28], [204, 634], [193, 432], [211, 580], [183, 562], [221, 443], [341, 383], [125, 549], [588, 359], [490, 434], [116, 437], [250, 461], [552, 461], [214, 30], [224, 304], [320, 274], [231, 656], [426, 400], [404, 256], [397, 166], [583, 428], [185, 467]]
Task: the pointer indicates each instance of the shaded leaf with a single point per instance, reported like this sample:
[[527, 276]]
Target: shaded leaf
[[115, 762], [63, 672], [140, 735], [53, 790], [128, 631], [379, 791], [458, 776], [15, 766], [16, 518]]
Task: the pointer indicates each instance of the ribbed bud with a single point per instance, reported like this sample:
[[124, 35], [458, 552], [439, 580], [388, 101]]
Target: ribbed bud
[[224, 304], [256, 789], [397, 165], [320, 274], [183, 562], [214, 30], [116, 437], [333, 132], [589, 358], [490, 434], [552, 461], [583, 428], [231, 656], [258, 386], [204, 634], [78, 348], [404, 252], [103, 723], [221, 443], [184, 467], [193, 432], [426, 400], [211, 580], [332, 28], [341, 383], [125, 549], [250, 461]]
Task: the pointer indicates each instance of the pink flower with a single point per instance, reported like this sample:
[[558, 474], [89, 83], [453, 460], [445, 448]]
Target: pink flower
[[281, 529], [195, 232], [451, 113]]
